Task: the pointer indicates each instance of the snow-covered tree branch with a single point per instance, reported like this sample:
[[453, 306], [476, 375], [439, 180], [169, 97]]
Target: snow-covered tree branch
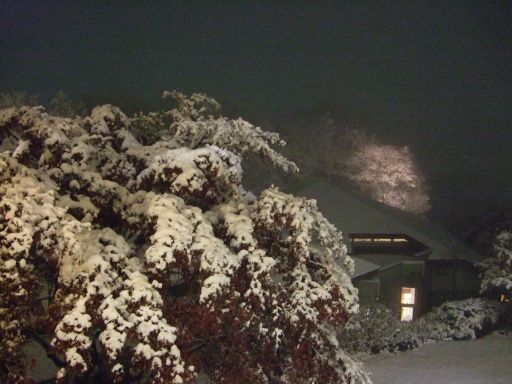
[[164, 267]]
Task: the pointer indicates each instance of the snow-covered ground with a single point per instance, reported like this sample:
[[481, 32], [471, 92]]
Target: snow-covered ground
[[483, 361]]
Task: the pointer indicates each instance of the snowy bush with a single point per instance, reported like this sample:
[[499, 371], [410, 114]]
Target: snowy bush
[[458, 320], [370, 330], [376, 328], [497, 274], [149, 262]]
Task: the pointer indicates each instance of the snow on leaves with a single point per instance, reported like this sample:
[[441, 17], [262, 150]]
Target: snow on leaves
[[113, 298], [158, 264], [201, 176], [33, 232], [497, 274], [290, 223]]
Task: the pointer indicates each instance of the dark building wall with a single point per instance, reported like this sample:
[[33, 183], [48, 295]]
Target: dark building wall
[[451, 280], [391, 285], [408, 274], [369, 291], [384, 259], [413, 276], [386, 285], [435, 281]]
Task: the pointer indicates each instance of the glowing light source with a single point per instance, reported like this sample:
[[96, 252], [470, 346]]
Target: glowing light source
[[408, 295], [406, 313], [407, 300], [378, 240]]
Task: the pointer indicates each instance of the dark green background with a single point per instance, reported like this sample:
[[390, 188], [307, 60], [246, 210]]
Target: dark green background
[[435, 77]]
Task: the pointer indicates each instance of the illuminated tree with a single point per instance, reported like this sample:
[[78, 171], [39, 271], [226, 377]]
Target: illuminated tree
[[151, 263], [389, 175], [385, 173]]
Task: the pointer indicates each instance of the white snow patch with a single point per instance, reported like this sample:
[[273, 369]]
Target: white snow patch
[[482, 361]]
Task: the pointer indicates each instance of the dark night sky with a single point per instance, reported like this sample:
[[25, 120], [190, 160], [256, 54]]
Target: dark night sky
[[436, 77]]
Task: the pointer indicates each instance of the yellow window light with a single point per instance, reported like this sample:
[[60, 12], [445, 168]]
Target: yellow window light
[[406, 314], [362, 240], [408, 295], [407, 299]]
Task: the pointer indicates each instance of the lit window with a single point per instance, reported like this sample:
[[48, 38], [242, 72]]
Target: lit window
[[408, 295], [407, 299], [504, 299], [384, 243], [362, 240], [406, 313]]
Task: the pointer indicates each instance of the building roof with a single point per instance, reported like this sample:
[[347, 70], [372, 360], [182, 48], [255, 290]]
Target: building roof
[[363, 267], [353, 213]]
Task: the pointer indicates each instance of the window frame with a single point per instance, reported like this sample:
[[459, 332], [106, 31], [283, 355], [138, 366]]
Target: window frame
[[404, 303]]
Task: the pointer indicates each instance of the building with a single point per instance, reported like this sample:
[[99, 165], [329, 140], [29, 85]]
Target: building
[[400, 259]]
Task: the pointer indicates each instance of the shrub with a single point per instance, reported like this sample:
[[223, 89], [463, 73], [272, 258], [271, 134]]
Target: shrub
[[497, 269], [376, 328], [459, 320]]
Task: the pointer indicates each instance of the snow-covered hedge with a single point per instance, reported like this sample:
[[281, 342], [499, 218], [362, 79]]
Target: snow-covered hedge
[[376, 328], [457, 320]]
